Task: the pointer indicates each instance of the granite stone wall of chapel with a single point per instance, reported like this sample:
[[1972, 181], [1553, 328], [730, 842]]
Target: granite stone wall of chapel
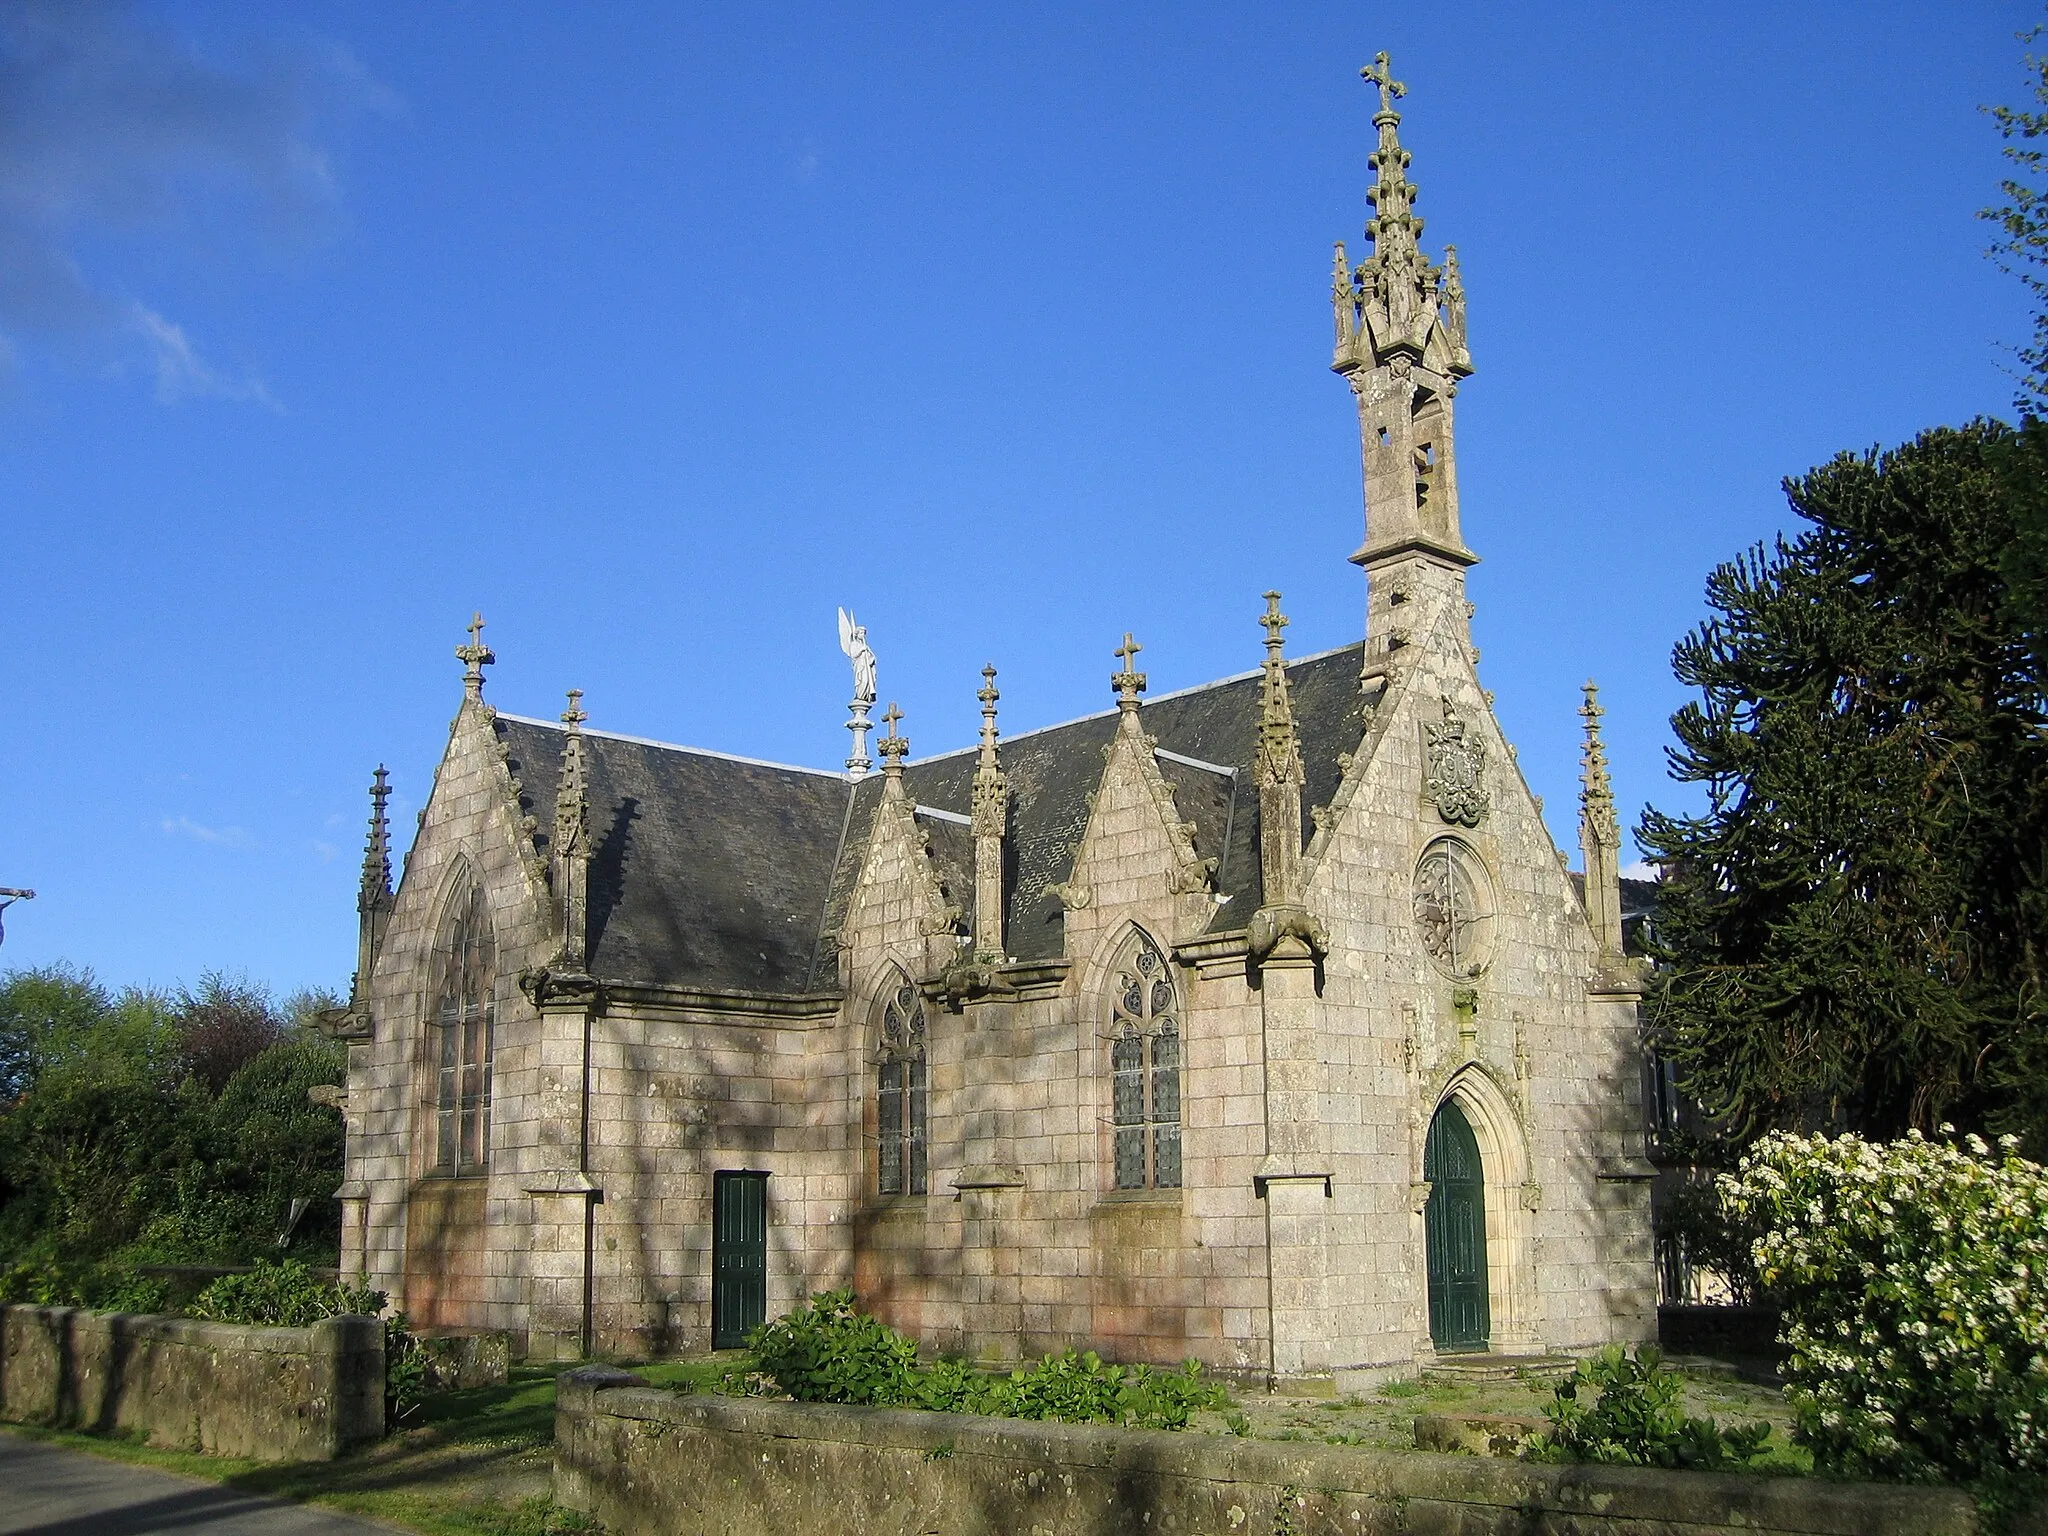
[[1020, 1083], [456, 1249]]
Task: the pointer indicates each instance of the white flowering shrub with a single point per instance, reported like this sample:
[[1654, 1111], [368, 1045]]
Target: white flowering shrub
[[1914, 1281]]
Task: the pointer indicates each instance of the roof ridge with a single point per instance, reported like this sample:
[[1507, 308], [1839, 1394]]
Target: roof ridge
[[672, 746], [1178, 693]]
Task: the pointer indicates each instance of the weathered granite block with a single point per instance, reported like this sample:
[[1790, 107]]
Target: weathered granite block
[[648, 1461], [270, 1394]]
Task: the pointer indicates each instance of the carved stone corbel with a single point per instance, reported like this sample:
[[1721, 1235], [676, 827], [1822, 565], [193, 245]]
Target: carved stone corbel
[[555, 983], [1270, 925]]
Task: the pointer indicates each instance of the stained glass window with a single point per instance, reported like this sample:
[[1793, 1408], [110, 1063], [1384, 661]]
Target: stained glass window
[[902, 1098], [1144, 1064], [463, 1020]]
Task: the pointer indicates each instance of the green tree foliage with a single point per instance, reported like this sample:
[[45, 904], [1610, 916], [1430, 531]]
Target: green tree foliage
[[2022, 220], [146, 1127], [1850, 930]]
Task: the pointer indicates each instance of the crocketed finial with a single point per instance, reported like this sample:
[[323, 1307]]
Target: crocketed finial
[[1279, 747], [474, 657], [572, 801], [376, 882], [1128, 682], [1393, 227], [1596, 795], [990, 804], [988, 695]]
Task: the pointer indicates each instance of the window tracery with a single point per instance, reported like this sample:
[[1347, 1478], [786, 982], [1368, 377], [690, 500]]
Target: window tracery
[[1145, 1056], [463, 1021], [902, 1096]]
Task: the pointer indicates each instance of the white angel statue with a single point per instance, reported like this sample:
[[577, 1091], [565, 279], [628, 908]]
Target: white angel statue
[[853, 639]]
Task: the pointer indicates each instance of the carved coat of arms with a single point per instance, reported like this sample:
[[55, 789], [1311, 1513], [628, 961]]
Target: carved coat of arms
[[1456, 756]]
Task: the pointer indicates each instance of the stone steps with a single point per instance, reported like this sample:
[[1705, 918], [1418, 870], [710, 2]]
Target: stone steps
[[1491, 1367]]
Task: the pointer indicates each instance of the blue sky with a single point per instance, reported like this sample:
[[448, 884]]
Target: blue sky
[[658, 331]]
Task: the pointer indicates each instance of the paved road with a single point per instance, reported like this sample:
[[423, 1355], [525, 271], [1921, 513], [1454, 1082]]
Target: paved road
[[47, 1491]]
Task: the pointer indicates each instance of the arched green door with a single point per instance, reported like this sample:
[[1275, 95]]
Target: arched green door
[[1454, 1227]]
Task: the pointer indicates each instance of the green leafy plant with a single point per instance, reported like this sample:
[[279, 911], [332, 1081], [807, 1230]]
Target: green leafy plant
[[827, 1352], [1625, 1410]]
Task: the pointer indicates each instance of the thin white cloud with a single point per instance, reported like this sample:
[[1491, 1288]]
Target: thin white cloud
[[226, 837], [325, 852], [115, 136], [1642, 869], [181, 373]]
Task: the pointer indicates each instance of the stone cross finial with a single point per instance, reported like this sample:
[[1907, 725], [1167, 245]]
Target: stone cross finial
[[573, 717], [474, 657], [1274, 621], [1380, 73], [988, 696], [893, 748], [1129, 682]]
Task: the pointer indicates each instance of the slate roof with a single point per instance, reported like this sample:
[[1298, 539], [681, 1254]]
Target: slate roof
[[705, 871], [720, 873]]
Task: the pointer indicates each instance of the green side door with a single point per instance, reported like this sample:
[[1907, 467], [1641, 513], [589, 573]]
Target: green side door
[[739, 1255], [1454, 1226]]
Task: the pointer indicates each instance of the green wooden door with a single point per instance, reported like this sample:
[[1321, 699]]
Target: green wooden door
[[739, 1255], [1454, 1224]]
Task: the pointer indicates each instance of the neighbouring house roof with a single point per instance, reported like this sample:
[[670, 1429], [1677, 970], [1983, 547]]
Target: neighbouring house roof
[[722, 873]]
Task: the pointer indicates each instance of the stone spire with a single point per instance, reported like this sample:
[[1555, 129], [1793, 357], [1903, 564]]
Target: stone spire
[[1128, 681], [991, 805], [570, 845], [1599, 833], [1393, 228], [375, 888], [474, 657], [1280, 775], [374, 900], [893, 750], [1400, 345]]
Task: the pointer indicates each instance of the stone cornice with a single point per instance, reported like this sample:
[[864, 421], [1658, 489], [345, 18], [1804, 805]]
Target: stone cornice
[[690, 1004]]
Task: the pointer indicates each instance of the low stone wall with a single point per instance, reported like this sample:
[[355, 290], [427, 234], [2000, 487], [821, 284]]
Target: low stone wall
[[648, 1461], [270, 1394]]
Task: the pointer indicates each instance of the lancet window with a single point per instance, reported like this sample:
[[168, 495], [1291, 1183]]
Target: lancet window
[[1144, 1057], [460, 1028], [901, 1094]]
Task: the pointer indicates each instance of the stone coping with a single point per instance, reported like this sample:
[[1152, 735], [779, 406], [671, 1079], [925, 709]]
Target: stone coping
[[1617, 1498], [247, 1337]]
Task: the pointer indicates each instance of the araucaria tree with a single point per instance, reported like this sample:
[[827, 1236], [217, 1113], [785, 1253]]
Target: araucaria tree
[[1851, 932]]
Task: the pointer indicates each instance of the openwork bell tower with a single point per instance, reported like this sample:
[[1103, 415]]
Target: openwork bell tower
[[1401, 348]]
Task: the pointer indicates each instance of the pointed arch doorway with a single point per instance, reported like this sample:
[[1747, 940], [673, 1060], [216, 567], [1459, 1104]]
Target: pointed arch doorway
[[1454, 1233]]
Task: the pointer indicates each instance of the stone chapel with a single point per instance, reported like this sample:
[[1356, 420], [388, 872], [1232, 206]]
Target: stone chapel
[[1260, 1023]]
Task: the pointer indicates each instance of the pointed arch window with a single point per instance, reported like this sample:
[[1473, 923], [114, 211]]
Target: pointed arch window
[[461, 1026], [1144, 1059], [901, 1094]]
